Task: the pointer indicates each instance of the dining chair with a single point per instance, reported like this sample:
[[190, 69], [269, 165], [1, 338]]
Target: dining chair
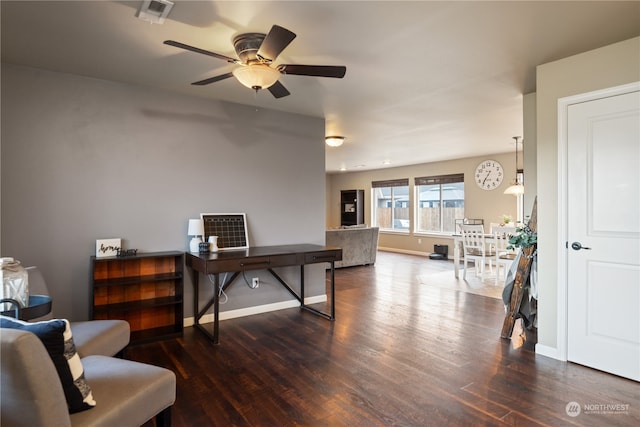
[[503, 256], [475, 248]]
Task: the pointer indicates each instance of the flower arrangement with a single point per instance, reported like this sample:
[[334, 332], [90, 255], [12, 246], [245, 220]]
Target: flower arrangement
[[506, 219]]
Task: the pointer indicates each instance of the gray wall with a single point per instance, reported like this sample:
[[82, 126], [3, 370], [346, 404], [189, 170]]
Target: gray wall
[[85, 159]]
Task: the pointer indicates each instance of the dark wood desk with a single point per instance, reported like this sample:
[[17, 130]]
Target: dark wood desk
[[256, 258]]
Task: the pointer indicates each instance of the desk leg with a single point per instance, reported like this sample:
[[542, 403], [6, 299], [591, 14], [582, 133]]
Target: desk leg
[[216, 308], [198, 312], [332, 315], [195, 279], [302, 285], [300, 297], [333, 291]]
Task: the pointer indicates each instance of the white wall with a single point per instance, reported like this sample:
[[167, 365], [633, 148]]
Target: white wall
[[84, 159], [602, 68], [530, 154]]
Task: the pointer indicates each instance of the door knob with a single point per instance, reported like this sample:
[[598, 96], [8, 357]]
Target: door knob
[[576, 246]]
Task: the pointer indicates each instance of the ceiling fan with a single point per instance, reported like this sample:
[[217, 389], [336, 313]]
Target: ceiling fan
[[257, 52]]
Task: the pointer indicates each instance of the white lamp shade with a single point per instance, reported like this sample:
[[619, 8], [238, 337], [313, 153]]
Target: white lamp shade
[[195, 228], [256, 76], [515, 189]]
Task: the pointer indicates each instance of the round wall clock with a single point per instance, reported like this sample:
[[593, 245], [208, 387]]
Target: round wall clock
[[489, 175]]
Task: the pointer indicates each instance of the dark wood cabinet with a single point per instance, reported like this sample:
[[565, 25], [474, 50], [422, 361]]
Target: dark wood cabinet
[[146, 290], [351, 207]]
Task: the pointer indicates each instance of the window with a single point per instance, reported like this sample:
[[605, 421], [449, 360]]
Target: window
[[440, 202], [391, 204]]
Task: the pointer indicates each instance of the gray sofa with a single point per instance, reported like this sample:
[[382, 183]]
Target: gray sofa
[[359, 245]]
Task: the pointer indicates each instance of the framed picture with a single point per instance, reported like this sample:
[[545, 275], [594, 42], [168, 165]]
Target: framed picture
[[231, 229], [107, 247]]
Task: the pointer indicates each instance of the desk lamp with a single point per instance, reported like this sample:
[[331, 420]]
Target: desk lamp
[[196, 229]]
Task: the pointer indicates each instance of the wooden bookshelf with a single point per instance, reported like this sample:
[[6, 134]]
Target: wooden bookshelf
[[146, 290]]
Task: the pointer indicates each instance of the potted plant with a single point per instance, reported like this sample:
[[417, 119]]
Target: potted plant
[[523, 238]]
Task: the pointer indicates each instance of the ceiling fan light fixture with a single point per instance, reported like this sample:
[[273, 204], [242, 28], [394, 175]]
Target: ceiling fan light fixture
[[256, 76], [334, 141]]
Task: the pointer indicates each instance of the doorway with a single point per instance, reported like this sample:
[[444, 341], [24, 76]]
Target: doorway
[[599, 292]]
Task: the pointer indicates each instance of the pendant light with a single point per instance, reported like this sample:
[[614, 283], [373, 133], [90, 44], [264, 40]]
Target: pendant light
[[516, 188]]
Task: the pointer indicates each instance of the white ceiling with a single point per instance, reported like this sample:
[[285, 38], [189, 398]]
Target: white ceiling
[[426, 80]]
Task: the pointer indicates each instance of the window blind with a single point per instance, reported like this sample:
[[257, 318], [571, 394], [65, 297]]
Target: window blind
[[440, 179], [391, 183]]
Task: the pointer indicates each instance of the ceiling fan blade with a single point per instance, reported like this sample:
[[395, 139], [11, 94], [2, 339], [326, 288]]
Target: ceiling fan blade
[[278, 90], [337, 71], [275, 42], [201, 51], [212, 79]]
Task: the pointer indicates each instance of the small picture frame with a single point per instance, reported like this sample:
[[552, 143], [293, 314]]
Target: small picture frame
[[108, 247]]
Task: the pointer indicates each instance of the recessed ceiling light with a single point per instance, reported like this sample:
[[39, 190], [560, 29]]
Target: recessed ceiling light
[[334, 141], [386, 162]]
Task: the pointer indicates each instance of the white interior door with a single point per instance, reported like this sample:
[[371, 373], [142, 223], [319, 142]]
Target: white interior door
[[603, 190]]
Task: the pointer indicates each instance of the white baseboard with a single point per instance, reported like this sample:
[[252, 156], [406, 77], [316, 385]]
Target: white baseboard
[[403, 251], [547, 351], [242, 312]]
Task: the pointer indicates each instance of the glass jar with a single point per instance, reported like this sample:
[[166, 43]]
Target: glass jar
[[15, 283]]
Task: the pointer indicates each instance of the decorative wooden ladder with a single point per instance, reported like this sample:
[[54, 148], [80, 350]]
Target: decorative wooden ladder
[[522, 275]]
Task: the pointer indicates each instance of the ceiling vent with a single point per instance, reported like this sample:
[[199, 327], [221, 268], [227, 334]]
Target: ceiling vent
[[154, 11]]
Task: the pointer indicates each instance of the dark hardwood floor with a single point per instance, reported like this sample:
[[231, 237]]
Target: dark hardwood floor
[[400, 353]]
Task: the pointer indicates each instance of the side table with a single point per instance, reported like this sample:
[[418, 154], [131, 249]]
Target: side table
[[39, 305]]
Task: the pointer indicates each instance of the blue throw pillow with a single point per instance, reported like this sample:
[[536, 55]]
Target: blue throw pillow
[[57, 338]]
